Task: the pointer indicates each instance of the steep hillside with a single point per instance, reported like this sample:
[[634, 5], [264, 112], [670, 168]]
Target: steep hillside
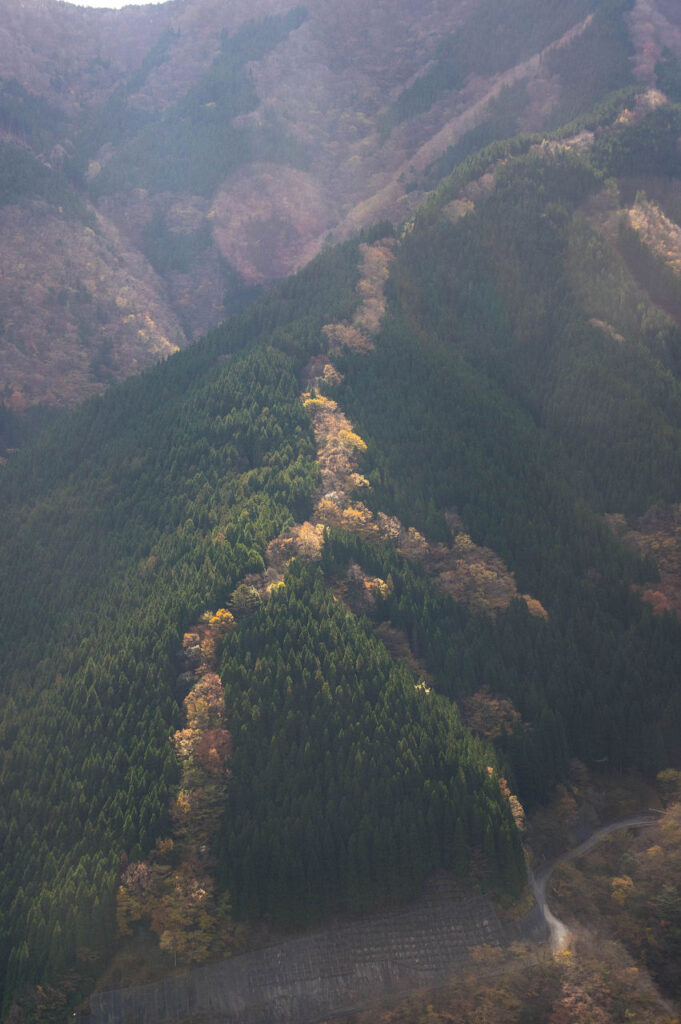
[[629, 889], [227, 144], [314, 608], [430, 426], [80, 307], [150, 520]]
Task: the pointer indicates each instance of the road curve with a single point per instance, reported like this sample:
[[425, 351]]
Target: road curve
[[560, 933]]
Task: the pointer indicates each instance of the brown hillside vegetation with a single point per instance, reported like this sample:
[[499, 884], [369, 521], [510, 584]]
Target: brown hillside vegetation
[[657, 534], [456, 116], [596, 983], [357, 335], [469, 572], [660, 233], [73, 56], [629, 890], [173, 890], [465, 570], [79, 307], [287, 207], [654, 26], [327, 89]]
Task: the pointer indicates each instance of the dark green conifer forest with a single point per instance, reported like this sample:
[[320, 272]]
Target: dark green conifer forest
[[492, 390], [349, 783]]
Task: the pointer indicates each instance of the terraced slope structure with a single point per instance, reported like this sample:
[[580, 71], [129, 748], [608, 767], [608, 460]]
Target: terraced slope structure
[[335, 970], [211, 149]]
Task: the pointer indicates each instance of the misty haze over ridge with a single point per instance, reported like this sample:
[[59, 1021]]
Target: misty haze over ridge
[[222, 151]]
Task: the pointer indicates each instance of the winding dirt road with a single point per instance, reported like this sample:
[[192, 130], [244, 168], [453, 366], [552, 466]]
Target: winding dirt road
[[560, 933]]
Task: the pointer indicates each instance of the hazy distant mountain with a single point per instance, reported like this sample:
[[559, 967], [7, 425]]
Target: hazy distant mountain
[[189, 152]]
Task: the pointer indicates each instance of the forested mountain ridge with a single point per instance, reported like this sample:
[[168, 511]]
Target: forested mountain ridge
[[502, 367], [179, 156], [408, 504], [59, 904]]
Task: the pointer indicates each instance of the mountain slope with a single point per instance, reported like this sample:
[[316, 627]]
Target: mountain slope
[[510, 382], [229, 144], [460, 438], [79, 306], [148, 522]]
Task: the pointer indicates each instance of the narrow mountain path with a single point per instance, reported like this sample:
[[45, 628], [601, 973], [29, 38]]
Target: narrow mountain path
[[560, 933]]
